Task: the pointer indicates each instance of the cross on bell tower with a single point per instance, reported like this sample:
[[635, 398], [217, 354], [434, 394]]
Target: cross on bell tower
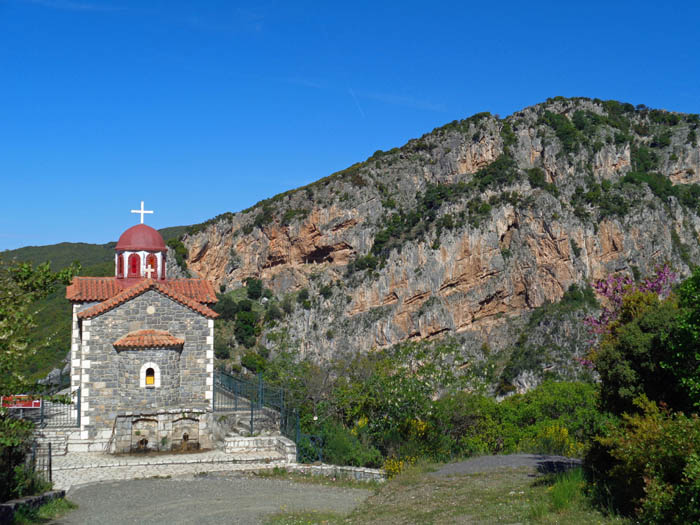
[[142, 212]]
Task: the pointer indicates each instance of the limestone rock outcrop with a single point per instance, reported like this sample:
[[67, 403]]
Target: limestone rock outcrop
[[492, 248]]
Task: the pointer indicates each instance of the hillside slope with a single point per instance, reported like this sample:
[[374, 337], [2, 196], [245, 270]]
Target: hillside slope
[[63, 254], [461, 232], [51, 337]]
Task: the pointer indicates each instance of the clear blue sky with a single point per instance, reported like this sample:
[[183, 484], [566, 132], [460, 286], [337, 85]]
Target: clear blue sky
[[201, 107]]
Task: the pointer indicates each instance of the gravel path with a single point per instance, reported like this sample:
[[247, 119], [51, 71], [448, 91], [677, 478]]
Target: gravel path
[[542, 463], [229, 497], [215, 498]]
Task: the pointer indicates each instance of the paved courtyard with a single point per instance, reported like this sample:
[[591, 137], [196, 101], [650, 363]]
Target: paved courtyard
[[76, 469], [223, 497]]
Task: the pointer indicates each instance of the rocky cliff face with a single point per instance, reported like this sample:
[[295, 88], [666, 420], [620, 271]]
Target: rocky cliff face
[[466, 229]]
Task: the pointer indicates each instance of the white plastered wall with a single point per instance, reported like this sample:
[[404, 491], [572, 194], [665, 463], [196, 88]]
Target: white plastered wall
[[142, 260]]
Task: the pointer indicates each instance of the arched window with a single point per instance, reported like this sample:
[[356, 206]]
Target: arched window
[[152, 262], [162, 271], [149, 377], [134, 265], [120, 265]]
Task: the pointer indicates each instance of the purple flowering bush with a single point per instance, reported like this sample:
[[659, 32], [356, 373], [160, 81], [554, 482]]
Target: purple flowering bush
[[645, 460]]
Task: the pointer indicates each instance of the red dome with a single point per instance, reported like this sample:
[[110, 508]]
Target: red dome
[[141, 237]]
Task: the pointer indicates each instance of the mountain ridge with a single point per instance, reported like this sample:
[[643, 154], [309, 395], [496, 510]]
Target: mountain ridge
[[467, 230]]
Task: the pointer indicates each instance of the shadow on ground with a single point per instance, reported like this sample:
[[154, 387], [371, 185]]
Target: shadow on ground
[[544, 464]]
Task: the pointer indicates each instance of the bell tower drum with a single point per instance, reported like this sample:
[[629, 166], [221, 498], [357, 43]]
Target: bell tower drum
[[140, 252]]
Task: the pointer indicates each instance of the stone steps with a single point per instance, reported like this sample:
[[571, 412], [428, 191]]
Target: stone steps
[[242, 428], [59, 447], [57, 437], [98, 461], [271, 445], [263, 422], [95, 445]]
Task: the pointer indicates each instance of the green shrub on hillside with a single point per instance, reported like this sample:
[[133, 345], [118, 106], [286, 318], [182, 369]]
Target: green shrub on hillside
[[343, 447], [254, 288], [605, 199], [264, 216], [180, 252], [537, 179], [326, 291], [273, 313], [564, 129], [287, 304], [303, 295], [554, 418], [508, 136], [365, 262], [253, 361], [408, 225], [567, 408], [643, 159], [648, 465], [247, 328], [292, 214], [222, 349], [662, 140], [226, 307], [463, 425]]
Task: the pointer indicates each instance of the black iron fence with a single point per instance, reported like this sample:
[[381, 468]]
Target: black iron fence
[[237, 393], [39, 460], [263, 404], [46, 411]]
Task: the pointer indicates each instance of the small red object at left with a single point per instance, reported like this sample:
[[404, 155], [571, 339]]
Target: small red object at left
[[20, 402]]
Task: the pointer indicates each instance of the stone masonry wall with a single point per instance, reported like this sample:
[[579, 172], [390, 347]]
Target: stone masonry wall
[[132, 395], [109, 379], [161, 430]]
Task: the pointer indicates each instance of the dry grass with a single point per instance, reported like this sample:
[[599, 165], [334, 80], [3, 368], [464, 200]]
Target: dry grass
[[500, 496]]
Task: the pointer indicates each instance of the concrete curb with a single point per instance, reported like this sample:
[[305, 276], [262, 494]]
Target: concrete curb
[[339, 471]]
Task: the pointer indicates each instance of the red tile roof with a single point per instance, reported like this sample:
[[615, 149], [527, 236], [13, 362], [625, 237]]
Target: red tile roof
[[84, 289], [140, 288], [92, 289], [198, 289], [149, 339]]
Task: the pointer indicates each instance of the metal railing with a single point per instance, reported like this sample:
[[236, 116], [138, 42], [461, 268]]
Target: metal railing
[[39, 460], [48, 411], [309, 446], [237, 393], [260, 401]]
